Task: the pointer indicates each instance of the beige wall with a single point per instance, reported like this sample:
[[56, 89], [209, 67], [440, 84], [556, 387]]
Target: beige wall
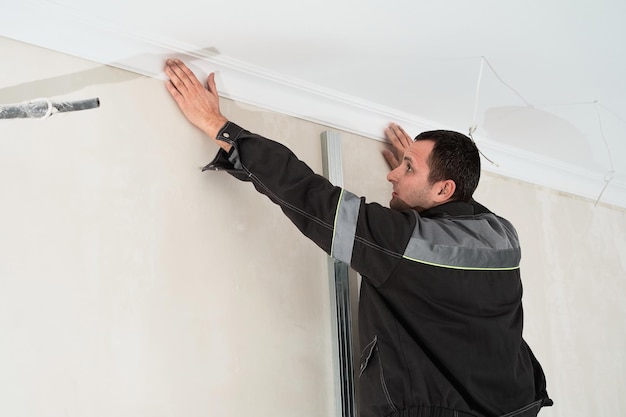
[[131, 284], [574, 272]]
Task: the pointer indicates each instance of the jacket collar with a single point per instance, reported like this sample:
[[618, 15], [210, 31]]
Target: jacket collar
[[455, 208]]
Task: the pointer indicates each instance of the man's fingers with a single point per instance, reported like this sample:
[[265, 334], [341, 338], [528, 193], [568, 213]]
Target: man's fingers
[[178, 98], [391, 159], [400, 141], [400, 134], [393, 134], [210, 83], [174, 73], [187, 76], [181, 76], [172, 89]]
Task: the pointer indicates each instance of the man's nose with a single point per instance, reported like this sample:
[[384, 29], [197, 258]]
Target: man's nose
[[392, 176]]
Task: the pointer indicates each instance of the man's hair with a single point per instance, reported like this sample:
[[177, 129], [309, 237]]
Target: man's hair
[[454, 157]]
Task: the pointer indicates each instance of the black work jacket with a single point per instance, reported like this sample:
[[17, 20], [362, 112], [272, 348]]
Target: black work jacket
[[440, 311]]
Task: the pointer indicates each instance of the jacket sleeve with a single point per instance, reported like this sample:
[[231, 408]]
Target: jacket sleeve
[[369, 237]]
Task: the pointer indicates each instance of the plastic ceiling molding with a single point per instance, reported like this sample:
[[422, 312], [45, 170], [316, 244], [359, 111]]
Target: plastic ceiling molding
[[53, 27]]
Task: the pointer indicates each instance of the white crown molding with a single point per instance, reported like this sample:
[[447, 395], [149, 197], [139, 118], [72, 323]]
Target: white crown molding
[[57, 28]]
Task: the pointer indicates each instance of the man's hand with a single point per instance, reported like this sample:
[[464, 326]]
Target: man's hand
[[400, 141], [200, 105]]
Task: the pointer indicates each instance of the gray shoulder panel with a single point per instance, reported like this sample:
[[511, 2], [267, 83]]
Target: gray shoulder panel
[[484, 241]]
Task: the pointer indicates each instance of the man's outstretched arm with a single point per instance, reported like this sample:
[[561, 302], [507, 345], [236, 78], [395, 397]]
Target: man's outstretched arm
[[199, 104]]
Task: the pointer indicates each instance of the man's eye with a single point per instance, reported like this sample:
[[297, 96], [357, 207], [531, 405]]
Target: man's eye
[[408, 168]]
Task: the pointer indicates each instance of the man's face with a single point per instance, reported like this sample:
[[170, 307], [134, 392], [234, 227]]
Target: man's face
[[411, 188]]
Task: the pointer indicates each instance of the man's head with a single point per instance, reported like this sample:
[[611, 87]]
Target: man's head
[[440, 166]]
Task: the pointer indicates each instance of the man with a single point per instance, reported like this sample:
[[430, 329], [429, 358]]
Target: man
[[440, 309]]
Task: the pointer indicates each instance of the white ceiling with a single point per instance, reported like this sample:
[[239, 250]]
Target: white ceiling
[[551, 101]]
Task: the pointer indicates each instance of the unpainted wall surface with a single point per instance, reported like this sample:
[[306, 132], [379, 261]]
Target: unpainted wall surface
[[574, 275], [132, 284]]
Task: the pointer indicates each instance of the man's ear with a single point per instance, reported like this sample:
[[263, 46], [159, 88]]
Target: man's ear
[[444, 190]]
